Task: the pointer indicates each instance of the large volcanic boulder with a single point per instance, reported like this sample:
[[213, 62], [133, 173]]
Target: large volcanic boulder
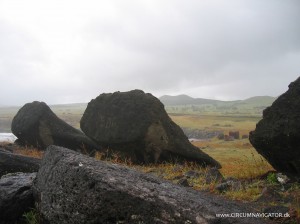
[[73, 188], [35, 124], [16, 196], [277, 135], [137, 125], [12, 163]]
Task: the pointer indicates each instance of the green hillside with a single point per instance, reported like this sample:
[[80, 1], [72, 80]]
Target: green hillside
[[184, 104]]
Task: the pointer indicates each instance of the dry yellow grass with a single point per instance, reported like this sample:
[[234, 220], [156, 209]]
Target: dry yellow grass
[[32, 152], [242, 163], [238, 158], [25, 151]]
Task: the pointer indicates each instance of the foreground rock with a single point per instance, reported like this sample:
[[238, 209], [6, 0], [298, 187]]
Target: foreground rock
[[16, 196], [73, 188], [12, 163], [35, 124], [137, 125], [277, 135]]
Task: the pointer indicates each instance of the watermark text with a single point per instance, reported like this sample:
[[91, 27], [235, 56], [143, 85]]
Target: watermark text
[[252, 215]]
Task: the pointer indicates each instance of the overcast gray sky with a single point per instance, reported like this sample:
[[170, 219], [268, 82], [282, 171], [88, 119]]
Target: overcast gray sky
[[64, 51]]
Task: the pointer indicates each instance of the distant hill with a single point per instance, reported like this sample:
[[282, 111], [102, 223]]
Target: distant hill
[[260, 100], [184, 100], [184, 104]]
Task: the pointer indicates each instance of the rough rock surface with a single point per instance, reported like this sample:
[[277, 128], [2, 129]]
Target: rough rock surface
[[213, 175], [35, 124], [277, 135], [73, 188], [12, 163], [3, 150], [137, 125], [16, 196]]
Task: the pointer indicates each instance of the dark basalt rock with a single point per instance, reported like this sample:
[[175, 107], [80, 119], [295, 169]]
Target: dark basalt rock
[[35, 124], [73, 188], [213, 175], [277, 135], [230, 184], [16, 196], [234, 134], [12, 163], [136, 125], [183, 182]]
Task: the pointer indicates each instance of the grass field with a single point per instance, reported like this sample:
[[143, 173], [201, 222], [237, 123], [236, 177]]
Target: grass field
[[238, 158], [243, 124]]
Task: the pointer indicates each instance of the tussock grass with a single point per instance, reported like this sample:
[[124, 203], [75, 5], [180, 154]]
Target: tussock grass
[[248, 194], [25, 151], [32, 217], [29, 151], [114, 157]]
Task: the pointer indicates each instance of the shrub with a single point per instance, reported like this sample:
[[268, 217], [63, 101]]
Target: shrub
[[271, 178], [31, 217]]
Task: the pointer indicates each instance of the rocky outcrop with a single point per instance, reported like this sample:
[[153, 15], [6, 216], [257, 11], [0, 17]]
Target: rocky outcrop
[[136, 125], [35, 124], [12, 163], [277, 135], [16, 196], [234, 134], [73, 188]]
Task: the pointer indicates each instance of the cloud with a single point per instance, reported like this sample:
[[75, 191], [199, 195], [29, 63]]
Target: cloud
[[72, 51]]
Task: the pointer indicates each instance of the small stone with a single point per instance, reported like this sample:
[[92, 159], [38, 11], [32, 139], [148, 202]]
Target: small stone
[[183, 182], [192, 174], [213, 175], [177, 168], [222, 187], [270, 194], [233, 185], [283, 179]]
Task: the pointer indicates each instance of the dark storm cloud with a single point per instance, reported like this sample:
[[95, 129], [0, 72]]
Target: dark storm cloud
[[213, 49]]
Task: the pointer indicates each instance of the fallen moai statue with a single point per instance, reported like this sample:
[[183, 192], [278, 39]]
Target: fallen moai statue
[[36, 125], [136, 125]]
